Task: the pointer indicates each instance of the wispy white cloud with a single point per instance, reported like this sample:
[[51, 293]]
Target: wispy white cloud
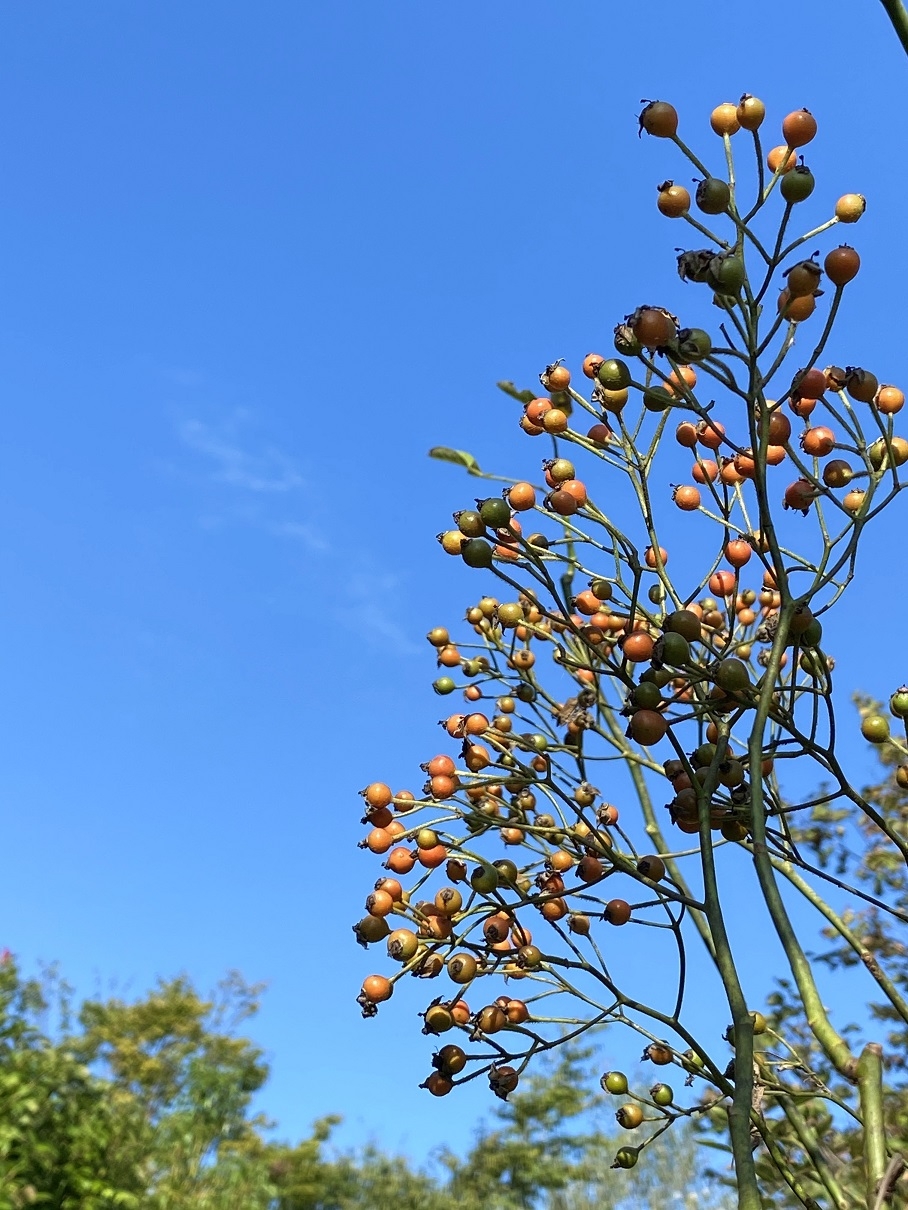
[[262, 474], [267, 471], [299, 531], [183, 377], [370, 596]]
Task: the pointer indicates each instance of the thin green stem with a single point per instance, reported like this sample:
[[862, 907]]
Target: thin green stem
[[655, 832], [688, 218], [802, 239], [813, 1147], [784, 1169], [698, 164]]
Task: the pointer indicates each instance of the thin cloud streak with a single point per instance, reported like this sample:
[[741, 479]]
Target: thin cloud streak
[[373, 594], [298, 531], [272, 471], [367, 594]]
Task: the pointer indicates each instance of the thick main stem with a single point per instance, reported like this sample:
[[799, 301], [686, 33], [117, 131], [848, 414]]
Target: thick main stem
[[898, 16], [739, 1112], [870, 1091], [885, 984], [834, 1045]]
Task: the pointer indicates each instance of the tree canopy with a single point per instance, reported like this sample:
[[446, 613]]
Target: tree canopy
[[148, 1103]]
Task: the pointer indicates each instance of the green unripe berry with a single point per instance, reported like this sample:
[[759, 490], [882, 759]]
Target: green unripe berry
[[614, 374], [495, 512], [732, 676], [875, 729], [529, 956], [614, 1082], [470, 523], [484, 879], [813, 634], [476, 552], [713, 196], [797, 185], [726, 274], [646, 696], [694, 344], [672, 649], [704, 755], [507, 871]]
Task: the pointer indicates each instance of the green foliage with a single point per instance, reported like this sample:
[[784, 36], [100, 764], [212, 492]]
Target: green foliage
[[671, 1178], [537, 1148], [171, 1052], [547, 1150], [67, 1138], [459, 457], [147, 1104]]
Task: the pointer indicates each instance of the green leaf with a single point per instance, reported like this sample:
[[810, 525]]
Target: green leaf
[[520, 396], [459, 457]]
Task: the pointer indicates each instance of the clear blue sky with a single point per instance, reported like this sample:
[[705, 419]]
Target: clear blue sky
[[256, 259]]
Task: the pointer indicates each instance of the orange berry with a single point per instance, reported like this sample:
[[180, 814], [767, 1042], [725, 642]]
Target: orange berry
[[799, 127], [724, 119]]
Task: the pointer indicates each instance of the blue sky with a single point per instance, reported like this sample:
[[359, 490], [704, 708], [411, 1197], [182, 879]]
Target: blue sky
[[256, 260]]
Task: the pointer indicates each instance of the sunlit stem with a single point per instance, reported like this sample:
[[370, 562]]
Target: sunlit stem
[[898, 16], [742, 1099], [833, 1044], [810, 235], [870, 1091], [688, 218], [761, 180], [690, 155], [867, 958]]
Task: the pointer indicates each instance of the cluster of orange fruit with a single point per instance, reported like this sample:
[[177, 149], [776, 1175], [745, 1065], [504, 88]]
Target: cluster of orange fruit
[[476, 924], [692, 664]]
